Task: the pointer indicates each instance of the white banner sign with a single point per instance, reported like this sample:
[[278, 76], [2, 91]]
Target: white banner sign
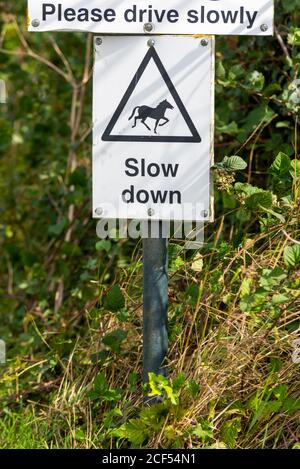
[[238, 17], [153, 127]]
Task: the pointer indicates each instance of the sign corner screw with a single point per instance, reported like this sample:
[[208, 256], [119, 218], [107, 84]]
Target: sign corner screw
[[148, 27], [150, 212], [98, 41], [264, 27], [204, 213], [204, 42], [99, 211], [35, 23]]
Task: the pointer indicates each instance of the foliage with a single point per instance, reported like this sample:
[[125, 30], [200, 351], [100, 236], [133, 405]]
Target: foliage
[[71, 304]]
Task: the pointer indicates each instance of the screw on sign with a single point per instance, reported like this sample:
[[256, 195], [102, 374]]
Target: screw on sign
[[148, 27], [144, 126]]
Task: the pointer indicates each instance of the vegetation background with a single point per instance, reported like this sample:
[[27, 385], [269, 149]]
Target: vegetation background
[[71, 304]]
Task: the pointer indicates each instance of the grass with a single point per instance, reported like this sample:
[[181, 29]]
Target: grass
[[232, 382]]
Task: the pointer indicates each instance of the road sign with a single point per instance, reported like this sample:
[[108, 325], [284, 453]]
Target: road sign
[[238, 17], [153, 127]]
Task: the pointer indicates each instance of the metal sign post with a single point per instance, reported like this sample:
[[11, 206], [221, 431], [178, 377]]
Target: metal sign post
[[155, 317]]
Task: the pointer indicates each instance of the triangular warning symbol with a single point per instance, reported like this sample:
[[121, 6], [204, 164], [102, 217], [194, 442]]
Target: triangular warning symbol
[[141, 113]]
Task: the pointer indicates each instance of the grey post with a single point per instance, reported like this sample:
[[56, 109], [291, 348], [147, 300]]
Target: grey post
[[155, 304]]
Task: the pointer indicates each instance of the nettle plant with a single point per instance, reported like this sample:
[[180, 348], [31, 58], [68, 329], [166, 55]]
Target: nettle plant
[[280, 201], [257, 113]]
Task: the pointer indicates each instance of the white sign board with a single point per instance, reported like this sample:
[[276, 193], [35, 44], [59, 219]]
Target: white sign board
[[238, 17], [153, 127]]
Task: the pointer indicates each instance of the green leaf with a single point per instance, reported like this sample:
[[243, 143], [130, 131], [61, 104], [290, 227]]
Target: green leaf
[[78, 177], [255, 82], [230, 431], [114, 339], [294, 37], [291, 404], [280, 392], [160, 385], [245, 287], [233, 163], [179, 381], [58, 229], [292, 255], [229, 129], [246, 188], [275, 214], [115, 300], [279, 299], [193, 388], [281, 164], [271, 279], [260, 200], [102, 391], [295, 169], [100, 384], [220, 70], [103, 245], [254, 302], [203, 431], [132, 380], [133, 431], [257, 117], [193, 293]]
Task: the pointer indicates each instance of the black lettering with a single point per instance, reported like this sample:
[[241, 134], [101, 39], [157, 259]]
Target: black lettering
[[156, 170], [109, 15], [150, 13], [161, 16], [192, 16], [145, 195], [48, 9], [130, 191], [142, 12], [170, 170], [209, 16], [70, 14], [96, 14], [202, 14], [83, 14], [130, 15], [251, 18], [173, 16], [242, 10], [172, 194], [159, 197], [129, 164], [229, 16], [143, 173]]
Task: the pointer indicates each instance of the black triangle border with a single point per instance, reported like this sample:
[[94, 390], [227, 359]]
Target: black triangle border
[[108, 137]]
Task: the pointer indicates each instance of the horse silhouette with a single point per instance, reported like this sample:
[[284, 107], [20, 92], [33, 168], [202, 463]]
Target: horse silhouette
[[157, 113]]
